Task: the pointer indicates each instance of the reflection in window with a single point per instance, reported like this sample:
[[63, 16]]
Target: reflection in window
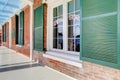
[[58, 27], [74, 25]]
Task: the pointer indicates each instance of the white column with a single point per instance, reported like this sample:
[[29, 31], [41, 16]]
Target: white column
[[10, 33], [31, 31]]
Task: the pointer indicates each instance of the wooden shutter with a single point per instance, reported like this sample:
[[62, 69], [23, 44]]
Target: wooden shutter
[[99, 31], [3, 33], [21, 29], [38, 28]]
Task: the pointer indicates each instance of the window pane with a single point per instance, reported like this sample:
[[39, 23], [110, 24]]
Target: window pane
[[60, 10], [77, 30], [55, 22], [70, 32], [58, 28], [77, 18], [54, 43], [70, 19], [71, 44], [74, 25], [71, 6], [60, 22], [55, 32], [60, 42], [77, 44], [77, 4], [54, 12]]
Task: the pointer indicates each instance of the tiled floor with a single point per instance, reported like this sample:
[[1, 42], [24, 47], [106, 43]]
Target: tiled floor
[[14, 66]]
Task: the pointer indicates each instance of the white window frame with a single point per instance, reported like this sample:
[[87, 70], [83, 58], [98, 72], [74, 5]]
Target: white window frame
[[18, 14], [57, 53], [65, 28]]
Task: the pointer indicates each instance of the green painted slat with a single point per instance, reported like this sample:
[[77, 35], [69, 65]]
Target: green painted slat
[[99, 34], [97, 7], [100, 38], [21, 36], [38, 28]]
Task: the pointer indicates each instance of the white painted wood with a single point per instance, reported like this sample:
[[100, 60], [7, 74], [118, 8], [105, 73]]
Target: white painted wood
[[10, 33]]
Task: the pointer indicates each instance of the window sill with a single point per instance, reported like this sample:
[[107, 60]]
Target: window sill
[[64, 57], [19, 45]]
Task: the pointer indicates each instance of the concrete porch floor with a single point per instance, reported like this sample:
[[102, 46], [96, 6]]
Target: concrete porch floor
[[14, 66]]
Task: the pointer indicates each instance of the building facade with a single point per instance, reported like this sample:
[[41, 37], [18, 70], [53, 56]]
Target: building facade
[[79, 38]]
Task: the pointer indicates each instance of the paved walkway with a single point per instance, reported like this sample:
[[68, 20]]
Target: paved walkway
[[14, 66]]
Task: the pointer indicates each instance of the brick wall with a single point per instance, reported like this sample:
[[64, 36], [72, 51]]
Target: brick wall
[[6, 44], [89, 71], [25, 49]]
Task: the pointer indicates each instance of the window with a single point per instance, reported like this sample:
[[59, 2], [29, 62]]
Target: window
[[4, 33], [19, 34], [74, 25], [63, 32], [17, 28], [69, 27], [58, 27]]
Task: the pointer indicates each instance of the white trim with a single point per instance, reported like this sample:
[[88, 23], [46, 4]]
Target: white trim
[[19, 45], [10, 34], [31, 31], [68, 59], [50, 26]]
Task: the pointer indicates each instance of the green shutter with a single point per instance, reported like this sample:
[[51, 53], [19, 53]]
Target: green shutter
[[38, 28], [3, 33], [21, 28], [99, 32]]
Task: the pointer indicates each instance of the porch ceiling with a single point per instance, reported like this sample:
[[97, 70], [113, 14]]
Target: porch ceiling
[[8, 8]]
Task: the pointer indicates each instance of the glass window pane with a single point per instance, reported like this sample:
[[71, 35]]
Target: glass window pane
[[54, 12], [71, 44], [70, 19], [70, 32], [77, 18], [55, 33], [77, 30], [77, 44], [71, 6], [77, 4], [55, 22], [58, 28], [60, 41], [60, 10], [60, 22], [54, 43]]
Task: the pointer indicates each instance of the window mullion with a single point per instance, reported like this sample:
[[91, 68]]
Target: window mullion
[[65, 28]]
